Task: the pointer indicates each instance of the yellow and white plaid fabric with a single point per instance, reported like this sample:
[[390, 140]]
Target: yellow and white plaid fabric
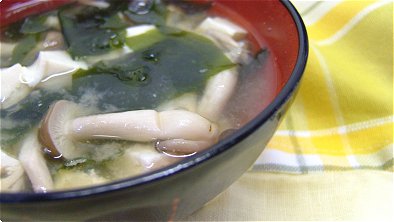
[[332, 157], [342, 117]]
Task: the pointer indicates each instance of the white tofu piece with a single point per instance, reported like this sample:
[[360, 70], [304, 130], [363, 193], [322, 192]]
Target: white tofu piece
[[6, 48], [217, 93], [12, 174], [32, 160], [178, 19], [223, 26], [108, 56], [139, 30], [17, 81], [72, 178], [50, 64], [12, 88], [137, 159], [227, 36], [55, 82]]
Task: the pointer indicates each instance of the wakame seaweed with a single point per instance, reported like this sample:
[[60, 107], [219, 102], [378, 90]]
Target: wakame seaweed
[[35, 24], [91, 31], [28, 33], [25, 53], [145, 78]]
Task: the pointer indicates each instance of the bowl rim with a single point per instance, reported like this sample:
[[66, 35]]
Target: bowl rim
[[283, 96]]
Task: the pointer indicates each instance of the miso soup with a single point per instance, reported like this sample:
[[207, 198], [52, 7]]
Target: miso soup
[[96, 91]]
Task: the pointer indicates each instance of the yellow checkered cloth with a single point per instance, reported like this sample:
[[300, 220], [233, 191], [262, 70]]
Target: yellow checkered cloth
[[332, 157], [342, 117]]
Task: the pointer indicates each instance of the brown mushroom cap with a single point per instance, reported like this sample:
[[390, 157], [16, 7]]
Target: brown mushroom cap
[[53, 133]]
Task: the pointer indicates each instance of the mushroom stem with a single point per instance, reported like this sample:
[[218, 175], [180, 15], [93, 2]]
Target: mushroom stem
[[217, 93], [144, 126], [34, 164], [181, 146], [60, 128], [12, 173]]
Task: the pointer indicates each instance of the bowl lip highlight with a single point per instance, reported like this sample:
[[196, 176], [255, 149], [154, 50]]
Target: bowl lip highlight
[[283, 96]]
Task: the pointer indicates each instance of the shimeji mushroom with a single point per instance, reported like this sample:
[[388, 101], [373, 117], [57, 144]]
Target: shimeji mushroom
[[182, 146], [217, 93], [53, 41], [12, 173], [221, 86], [32, 160], [60, 128], [187, 101], [53, 133]]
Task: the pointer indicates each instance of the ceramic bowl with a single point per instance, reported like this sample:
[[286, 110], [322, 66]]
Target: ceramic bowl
[[176, 191]]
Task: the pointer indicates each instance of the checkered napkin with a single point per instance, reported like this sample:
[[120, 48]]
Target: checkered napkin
[[342, 118]]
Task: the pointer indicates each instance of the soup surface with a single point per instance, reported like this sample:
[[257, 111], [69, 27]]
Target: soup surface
[[97, 91]]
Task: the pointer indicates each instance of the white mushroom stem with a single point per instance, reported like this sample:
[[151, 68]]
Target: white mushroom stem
[[181, 146], [144, 126], [60, 127], [12, 173], [187, 101], [32, 160], [53, 40], [217, 93]]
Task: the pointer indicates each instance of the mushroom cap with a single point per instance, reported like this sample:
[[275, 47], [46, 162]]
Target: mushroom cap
[[54, 131]]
